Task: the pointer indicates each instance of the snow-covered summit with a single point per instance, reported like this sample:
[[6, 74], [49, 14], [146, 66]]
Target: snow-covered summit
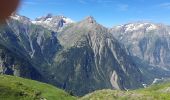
[[137, 26], [18, 17], [51, 22]]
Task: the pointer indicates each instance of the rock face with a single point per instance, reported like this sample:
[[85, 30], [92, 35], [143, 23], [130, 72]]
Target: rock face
[[13, 58], [79, 57], [148, 41], [12, 64], [31, 46]]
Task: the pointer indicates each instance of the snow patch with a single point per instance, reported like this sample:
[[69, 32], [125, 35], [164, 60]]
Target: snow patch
[[68, 20], [48, 20], [156, 80], [152, 27], [16, 17], [137, 26], [144, 85]]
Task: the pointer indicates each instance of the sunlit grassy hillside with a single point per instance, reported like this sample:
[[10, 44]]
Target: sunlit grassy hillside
[[14, 88], [155, 92]]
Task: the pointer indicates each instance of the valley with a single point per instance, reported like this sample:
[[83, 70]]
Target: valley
[[82, 57]]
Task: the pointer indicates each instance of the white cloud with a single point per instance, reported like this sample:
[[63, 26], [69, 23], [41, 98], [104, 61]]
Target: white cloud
[[165, 5]]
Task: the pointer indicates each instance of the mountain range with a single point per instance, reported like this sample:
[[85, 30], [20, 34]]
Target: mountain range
[[148, 41], [85, 56]]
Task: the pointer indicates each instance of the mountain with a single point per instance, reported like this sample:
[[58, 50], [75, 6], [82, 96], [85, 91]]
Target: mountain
[[15, 88], [13, 57], [78, 57], [93, 59], [148, 41], [27, 48], [55, 23]]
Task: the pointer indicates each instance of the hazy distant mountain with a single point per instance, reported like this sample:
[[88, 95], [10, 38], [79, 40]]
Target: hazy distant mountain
[[79, 57], [148, 41]]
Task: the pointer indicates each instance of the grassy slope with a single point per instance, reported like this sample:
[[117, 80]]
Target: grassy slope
[[155, 92], [15, 88]]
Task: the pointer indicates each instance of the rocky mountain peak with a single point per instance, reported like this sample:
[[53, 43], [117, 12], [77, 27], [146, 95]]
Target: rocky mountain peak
[[20, 18], [148, 41], [49, 15], [43, 18], [52, 22], [90, 19], [17, 16]]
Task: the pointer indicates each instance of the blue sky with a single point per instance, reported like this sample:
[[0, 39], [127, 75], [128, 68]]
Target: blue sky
[[106, 12]]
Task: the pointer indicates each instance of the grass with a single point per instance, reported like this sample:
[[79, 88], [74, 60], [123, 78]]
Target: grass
[[154, 92], [15, 88]]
